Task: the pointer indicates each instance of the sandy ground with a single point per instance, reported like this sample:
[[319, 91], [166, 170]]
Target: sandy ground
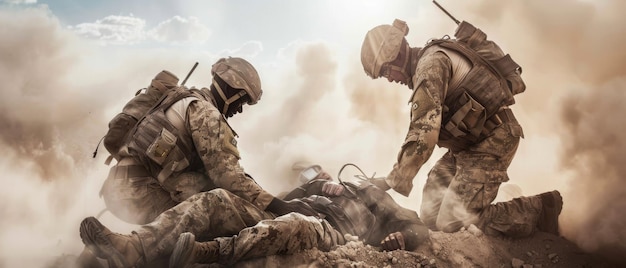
[[461, 249]]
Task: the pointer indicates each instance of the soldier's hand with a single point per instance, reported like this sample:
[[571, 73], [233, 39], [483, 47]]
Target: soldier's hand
[[280, 207], [332, 189], [393, 241]]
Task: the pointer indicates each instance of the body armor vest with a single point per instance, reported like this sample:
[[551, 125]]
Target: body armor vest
[[159, 146], [478, 90]]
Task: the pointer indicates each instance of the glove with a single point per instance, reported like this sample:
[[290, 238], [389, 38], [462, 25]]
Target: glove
[[393, 241], [332, 189], [281, 207]]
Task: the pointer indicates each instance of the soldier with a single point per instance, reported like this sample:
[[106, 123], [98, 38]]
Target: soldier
[[461, 92], [182, 146], [364, 211]]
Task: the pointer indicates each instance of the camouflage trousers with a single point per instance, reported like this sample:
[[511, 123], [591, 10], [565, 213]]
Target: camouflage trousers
[[134, 196], [462, 185], [286, 234], [208, 215]]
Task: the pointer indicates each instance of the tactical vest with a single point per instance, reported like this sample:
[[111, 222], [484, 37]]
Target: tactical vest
[[482, 84], [159, 146]]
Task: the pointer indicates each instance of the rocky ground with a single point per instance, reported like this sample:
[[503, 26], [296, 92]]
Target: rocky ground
[[462, 249], [468, 248]]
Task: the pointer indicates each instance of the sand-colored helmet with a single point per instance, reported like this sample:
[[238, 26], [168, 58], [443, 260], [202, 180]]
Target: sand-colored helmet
[[382, 45], [239, 73]]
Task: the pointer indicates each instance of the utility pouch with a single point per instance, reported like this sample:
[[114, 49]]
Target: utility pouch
[[161, 146], [468, 119]]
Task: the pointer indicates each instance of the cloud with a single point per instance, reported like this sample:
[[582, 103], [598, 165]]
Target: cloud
[[19, 2], [113, 29], [129, 30], [180, 30]]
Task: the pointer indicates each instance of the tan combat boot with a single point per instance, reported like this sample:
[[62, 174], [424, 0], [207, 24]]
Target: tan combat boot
[[551, 205], [121, 251], [188, 252]]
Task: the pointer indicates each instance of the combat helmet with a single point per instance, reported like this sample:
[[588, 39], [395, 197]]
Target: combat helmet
[[382, 45], [238, 73]]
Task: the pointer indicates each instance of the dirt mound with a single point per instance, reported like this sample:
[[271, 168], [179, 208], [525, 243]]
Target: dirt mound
[[467, 248], [461, 249]]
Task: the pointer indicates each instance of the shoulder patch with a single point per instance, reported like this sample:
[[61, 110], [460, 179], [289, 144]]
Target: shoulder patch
[[421, 103]]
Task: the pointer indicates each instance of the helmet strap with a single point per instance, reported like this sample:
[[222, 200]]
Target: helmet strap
[[227, 101], [405, 64]]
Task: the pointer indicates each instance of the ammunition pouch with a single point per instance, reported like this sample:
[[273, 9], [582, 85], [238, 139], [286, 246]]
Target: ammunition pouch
[[468, 119]]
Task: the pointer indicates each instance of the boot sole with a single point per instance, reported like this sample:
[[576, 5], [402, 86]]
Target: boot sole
[[92, 232], [182, 251]]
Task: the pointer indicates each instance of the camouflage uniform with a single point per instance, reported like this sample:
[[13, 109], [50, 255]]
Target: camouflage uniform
[[364, 211], [135, 196], [203, 214], [207, 214], [287, 234], [463, 183]]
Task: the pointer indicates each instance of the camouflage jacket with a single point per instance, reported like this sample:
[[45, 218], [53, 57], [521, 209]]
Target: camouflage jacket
[[430, 85], [216, 146]]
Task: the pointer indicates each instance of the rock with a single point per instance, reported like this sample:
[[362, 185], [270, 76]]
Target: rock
[[517, 263], [474, 230], [553, 257]]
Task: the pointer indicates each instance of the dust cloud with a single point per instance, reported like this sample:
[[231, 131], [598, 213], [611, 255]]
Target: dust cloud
[[574, 61], [58, 94], [56, 98], [47, 126]]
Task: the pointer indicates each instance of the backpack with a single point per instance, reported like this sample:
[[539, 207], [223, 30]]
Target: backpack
[[145, 99], [490, 52]]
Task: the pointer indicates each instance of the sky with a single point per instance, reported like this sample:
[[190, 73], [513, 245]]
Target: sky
[[69, 66]]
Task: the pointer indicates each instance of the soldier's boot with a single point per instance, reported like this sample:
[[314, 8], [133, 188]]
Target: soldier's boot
[[120, 251], [188, 252], [551, 205]]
